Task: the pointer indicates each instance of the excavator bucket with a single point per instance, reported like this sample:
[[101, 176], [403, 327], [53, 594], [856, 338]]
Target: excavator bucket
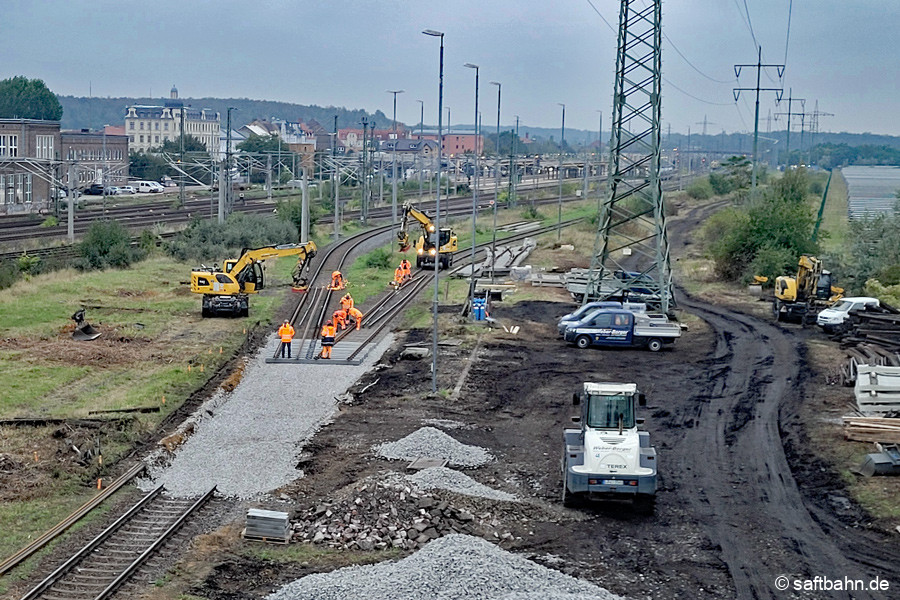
[[86, 333], [83, 330]]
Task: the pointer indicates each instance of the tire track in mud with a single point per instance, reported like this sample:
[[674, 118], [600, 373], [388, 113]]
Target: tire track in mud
[[749, 501]]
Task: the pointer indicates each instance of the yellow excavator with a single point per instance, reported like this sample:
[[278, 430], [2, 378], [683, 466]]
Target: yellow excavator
[[226, 291], [801, 297], [426, 254]]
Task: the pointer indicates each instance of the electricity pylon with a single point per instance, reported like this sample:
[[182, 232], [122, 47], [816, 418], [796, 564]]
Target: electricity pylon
[[631, 251]]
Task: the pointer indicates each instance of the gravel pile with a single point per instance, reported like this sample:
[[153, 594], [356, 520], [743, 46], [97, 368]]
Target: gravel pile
[[251, 443], [429, 442], [450, 568], [378, 514], [454, 481]]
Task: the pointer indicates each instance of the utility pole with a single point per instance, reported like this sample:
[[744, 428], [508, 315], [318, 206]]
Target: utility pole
[[759, 66], [631, 234], [421, 145], [181, 187], [394, 168], [562, 143], [365, 178], [269, 177], [496, 184], [474, 187], [814, 126], [336, 179], [787, 150]]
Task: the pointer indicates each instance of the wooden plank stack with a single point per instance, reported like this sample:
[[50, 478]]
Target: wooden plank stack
[[872, 429]]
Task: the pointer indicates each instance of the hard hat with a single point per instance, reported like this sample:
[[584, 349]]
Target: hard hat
[[329, 322]]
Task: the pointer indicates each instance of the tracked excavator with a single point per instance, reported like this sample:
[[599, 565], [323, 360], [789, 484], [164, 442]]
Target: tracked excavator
[[801, 297], [226, 291], [426, 252]]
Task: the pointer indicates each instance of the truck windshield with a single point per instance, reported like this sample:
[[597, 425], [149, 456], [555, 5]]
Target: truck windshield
[[604, 411]]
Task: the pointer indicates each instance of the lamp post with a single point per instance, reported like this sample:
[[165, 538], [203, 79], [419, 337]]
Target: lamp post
[[437, 212], [421, 138], [475, 187], [562, 143], [394, 167], [448, 159], [496, 184]]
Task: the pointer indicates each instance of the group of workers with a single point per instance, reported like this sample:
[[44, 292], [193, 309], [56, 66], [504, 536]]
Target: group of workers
[[402, 274]]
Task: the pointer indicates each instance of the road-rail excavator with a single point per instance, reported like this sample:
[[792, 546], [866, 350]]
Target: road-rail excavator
[[226, 291], [426, 254], [804, 295]]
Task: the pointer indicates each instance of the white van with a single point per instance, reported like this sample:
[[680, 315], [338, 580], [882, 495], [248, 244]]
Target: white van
[[833, 318], [147, 187]]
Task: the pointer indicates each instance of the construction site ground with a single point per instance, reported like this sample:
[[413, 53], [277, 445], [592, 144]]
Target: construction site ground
[[754, 478]]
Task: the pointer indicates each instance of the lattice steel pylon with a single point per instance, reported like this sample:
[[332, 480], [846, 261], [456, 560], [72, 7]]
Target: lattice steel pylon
[[631, 252]]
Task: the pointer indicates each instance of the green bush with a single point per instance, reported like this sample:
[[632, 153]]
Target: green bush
[[28, 265], [380, 258], [107, 244], [771, 262], [50, 222], [721, 184], [207, 241], [700, 189], [9, 274]]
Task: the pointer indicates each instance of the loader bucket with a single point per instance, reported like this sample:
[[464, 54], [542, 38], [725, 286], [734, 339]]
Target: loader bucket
[[86, 333], [881, 463]]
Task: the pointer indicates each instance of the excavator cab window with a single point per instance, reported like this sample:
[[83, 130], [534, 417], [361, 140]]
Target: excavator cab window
[[445, 237], [823, 287]]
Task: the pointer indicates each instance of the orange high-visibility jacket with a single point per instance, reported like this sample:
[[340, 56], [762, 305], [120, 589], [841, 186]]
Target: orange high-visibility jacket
[[327, 335], [356, 314], [339, 315], [347, 302], [286, 332]]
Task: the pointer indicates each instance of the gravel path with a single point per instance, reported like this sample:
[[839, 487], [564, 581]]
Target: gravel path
[[433, 443], [448, 479], [250, 445], [449, 568]]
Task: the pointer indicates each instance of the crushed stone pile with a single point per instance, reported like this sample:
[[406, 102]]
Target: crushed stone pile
[[433, 443], [454, 567], [454, 481], [388, 512]]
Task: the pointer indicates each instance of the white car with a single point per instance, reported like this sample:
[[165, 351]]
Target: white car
[[832, 318], [127, 189]]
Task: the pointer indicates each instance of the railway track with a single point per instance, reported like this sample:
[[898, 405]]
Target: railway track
[[109, 561]]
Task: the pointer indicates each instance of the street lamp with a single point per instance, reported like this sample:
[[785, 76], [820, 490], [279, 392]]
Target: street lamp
[[394, 167], [421, 138], [496, 184], [437, 211], [562, 143], [475, 186], [448, 159]]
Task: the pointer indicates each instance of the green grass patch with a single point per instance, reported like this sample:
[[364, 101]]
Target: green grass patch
[[835, 226], [318, 555]]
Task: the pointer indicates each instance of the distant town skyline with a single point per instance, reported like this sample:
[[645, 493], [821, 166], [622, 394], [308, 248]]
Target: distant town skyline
[[347, 54]]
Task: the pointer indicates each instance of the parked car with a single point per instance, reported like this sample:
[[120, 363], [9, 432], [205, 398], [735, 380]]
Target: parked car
[[614, 327], [833, 318], [148, 187], [112, 190], [574, 317], [95, 189], [127, 189]]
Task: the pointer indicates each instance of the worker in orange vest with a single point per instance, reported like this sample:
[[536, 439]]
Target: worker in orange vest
[[347, 301], [340, 319], [327, 339], [337, 281], [356, 315], [286, 333], [398, 277], [407, 269]]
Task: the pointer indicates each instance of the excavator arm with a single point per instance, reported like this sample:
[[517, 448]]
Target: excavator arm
[[410, 213]]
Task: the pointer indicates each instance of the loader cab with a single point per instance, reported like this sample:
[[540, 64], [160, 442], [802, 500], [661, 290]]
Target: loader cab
[[609, 407]]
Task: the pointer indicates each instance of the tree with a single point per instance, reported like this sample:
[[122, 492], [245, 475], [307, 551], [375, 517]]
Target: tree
[[25, 98], [262, 143], [142, 165], [191, 144]]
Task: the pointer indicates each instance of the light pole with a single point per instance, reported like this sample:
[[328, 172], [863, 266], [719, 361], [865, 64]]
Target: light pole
[[562, 143], [421, 138], [394, 167], [475, 187], [437, 212], [448, 160], [496, 184]]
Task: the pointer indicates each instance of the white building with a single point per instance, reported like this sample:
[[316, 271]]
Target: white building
[[150, 126]]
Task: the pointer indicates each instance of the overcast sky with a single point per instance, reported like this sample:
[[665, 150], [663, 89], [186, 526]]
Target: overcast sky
[[347, 53]]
